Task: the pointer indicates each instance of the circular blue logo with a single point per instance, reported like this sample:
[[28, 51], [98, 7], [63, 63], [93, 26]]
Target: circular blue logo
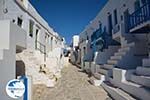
[[15, 88]]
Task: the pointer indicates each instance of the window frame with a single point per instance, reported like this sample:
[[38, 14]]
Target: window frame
[[31, 28], [20, 24]]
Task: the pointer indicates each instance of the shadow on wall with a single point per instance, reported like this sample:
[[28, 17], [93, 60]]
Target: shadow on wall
[[20, 68]]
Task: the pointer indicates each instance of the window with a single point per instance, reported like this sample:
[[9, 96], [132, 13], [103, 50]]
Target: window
[[115, 17], [36, 38], [56, 41], [137, 5], [31, 24], [47, 37], [109, 24], [19, 22], [51, 43]]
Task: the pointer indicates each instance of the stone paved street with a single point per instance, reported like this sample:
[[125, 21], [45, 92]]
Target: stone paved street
[[73, 85]]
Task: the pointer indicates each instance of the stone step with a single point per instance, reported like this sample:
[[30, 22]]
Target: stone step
[[129, 45], [105, 71], [115, 57], [108, 66], [146, 62], [112, 62], [124, 49], [124, 42], [144, 71], [102, 71], [97, 75], [120, 53], [136, 90], [143, 80], [116, 93], [97, 82]]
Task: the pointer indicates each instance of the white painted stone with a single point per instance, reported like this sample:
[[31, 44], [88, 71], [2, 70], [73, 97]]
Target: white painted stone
[[146, 62], [97, 67], [143, 71], [97, 82], [116, 93], [93, 67], [119, 74], [143, 80], [108, 66], [113, 62], [87, 66], [116, 57], [134, 89]]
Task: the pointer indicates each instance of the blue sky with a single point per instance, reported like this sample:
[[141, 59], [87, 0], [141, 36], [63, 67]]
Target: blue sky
[[68, 17]]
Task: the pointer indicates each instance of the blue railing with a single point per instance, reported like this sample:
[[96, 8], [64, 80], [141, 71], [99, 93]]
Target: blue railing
[[140, 16], [96, 35], [97, 41]]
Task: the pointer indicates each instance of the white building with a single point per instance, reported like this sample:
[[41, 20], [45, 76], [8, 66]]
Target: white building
[[75, 40], [115, 44], [27, 45]]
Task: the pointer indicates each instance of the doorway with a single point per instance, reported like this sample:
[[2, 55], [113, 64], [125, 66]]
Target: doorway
[[126, 20], [110, 24], [36, 38]]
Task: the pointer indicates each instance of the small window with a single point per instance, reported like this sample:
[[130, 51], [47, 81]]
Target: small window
[[31, 24], [19, 22]]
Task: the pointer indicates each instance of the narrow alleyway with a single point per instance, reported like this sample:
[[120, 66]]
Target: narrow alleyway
[[73, 85]]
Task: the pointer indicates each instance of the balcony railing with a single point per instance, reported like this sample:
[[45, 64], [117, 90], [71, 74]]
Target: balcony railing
[[140, 16]]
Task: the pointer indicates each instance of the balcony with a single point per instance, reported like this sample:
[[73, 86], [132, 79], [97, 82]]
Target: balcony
[[139, 21]]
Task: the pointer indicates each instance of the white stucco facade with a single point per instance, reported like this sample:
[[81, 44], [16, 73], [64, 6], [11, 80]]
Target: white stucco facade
[[27, 46], [75, 41], [124, 38]]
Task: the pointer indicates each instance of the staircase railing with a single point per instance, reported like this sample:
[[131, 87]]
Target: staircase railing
[[140, 16], [41, 47]]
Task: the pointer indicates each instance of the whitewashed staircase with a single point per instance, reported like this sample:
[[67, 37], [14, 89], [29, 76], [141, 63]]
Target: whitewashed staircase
[[142, 74], [100, 58], [136, 87], [119, 58]]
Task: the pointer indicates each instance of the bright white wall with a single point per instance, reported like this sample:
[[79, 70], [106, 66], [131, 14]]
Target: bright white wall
[[75, 40], [7, 64]]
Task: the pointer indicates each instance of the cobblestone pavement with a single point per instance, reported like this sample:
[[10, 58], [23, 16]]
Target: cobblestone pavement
[[73, 85]]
